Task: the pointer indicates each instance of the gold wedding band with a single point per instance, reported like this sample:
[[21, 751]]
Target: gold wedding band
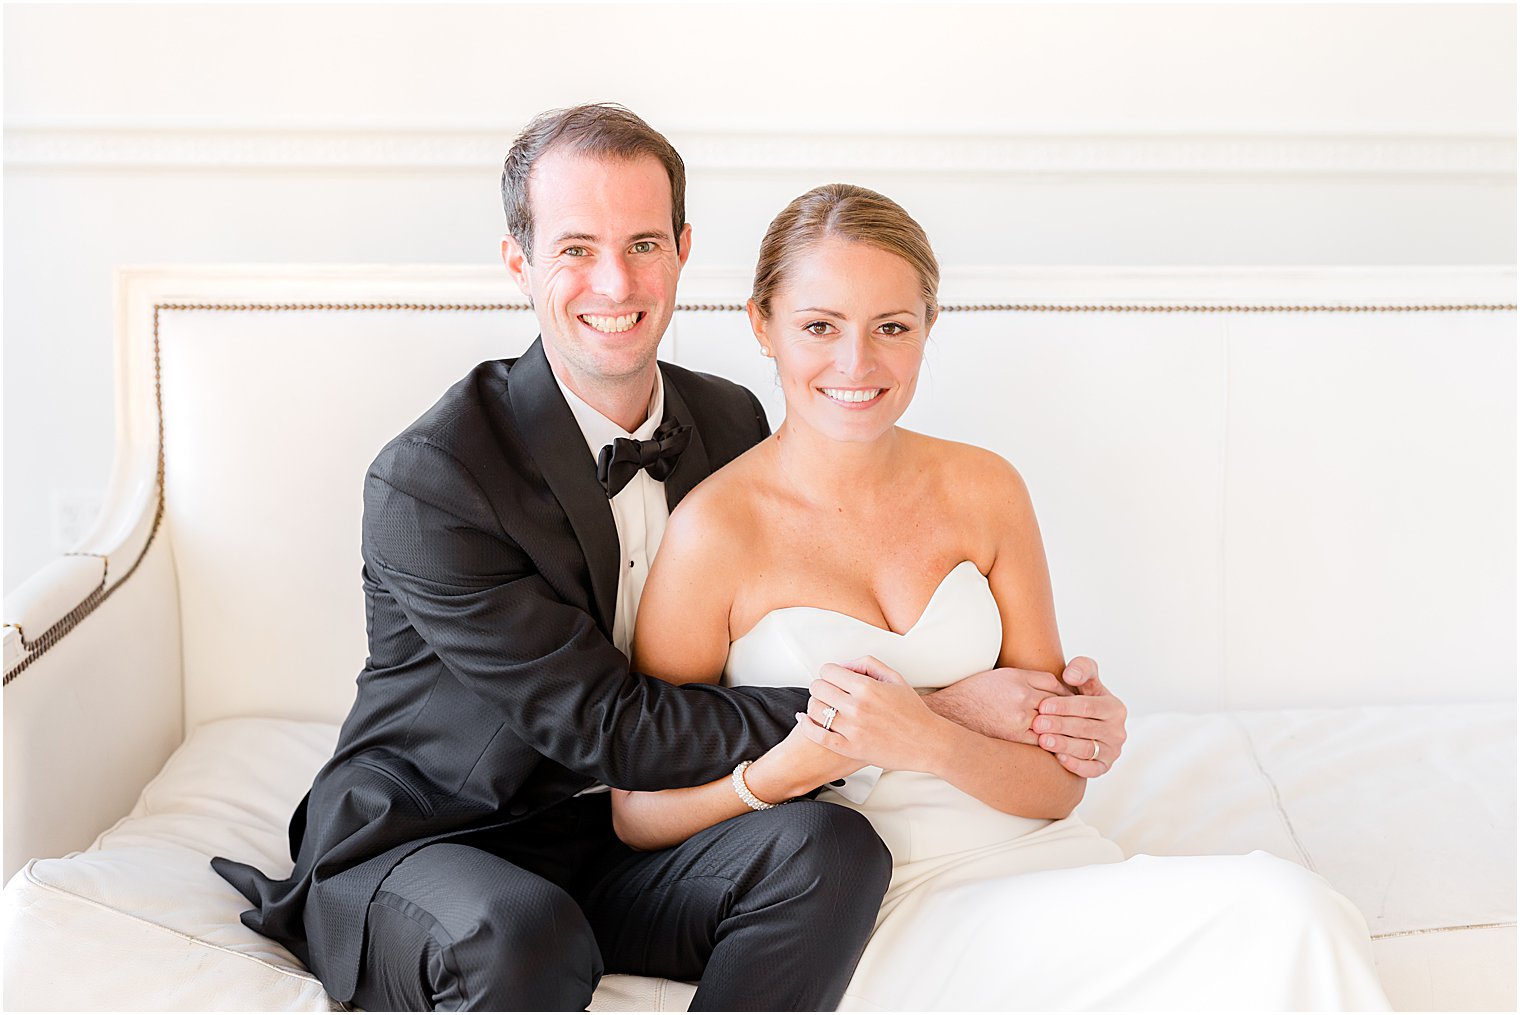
[[1095, 752]]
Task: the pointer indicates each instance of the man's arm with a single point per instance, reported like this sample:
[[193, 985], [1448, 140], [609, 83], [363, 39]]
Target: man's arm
[[1001, 703], [1033, 707], [433, 541]]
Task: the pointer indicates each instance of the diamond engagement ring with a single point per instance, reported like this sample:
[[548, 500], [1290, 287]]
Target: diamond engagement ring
[[829, 712], [1095, 752]]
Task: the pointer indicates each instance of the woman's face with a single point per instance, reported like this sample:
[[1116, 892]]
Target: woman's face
[[847, 330]]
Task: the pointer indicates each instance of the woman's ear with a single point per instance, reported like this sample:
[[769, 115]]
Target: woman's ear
[[758, 325]]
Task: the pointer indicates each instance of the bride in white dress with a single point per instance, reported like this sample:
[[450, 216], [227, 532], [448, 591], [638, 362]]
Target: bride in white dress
[[872, 563]]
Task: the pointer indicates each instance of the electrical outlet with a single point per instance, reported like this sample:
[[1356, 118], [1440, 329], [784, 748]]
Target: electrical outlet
[[74, 511]]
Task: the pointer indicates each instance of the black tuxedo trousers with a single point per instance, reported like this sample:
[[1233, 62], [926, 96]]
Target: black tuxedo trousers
[[769, 911], [492, 693]]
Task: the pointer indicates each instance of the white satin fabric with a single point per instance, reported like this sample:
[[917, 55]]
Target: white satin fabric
[[988, 910]]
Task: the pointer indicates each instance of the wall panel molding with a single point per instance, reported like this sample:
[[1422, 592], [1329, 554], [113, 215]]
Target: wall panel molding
[[44, 146]]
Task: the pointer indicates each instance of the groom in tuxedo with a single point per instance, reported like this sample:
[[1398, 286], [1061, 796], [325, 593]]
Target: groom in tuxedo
[[457, 850]]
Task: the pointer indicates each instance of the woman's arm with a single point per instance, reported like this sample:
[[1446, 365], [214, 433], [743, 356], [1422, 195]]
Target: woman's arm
[[682, 635], [790, 769], [1017, 778]]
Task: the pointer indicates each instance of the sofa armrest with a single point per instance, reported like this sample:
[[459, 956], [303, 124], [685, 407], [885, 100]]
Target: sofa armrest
[[93, 697]]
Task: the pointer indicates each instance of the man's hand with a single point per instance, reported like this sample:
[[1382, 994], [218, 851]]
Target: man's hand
[[1085, 732], [1000, 703]]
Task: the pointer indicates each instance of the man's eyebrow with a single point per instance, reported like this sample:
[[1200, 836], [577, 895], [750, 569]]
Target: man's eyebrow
[[648, 234]]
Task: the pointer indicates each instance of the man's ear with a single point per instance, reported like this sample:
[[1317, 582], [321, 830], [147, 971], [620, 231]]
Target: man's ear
[[683, 244], [517, 264]]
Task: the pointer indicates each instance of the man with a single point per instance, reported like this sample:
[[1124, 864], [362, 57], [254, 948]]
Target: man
[[455, 852]]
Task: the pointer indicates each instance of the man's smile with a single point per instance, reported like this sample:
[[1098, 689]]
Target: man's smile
[[612, 325]]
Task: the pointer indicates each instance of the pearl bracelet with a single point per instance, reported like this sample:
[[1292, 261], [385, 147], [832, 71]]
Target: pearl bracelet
[[751, 801]]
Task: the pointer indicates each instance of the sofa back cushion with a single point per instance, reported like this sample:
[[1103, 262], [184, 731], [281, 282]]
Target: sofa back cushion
[[1241, 509]]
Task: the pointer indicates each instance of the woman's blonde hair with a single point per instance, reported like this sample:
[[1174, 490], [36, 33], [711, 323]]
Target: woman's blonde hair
[[851, 213]]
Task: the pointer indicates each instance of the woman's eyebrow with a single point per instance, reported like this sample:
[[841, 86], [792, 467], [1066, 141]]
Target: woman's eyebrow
[[835, 313]]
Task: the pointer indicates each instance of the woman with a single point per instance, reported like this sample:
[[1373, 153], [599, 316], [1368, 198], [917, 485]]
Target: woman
[[844, 537]]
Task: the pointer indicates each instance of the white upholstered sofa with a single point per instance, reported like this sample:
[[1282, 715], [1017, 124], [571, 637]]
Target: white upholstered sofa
[[1287, 535]]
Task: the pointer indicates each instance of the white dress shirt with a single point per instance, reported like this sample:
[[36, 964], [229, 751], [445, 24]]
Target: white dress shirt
[[639, 510]]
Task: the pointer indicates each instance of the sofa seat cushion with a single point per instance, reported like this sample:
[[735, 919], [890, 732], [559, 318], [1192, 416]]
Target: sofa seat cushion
[[1407, 810], [140, 921]]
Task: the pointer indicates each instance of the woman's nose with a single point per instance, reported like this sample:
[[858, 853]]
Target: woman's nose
[[855, 357]]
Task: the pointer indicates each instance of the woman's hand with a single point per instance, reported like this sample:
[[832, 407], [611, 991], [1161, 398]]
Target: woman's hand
[[864, 709], [796, 766]]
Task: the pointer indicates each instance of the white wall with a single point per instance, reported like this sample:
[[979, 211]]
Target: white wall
[[1020, 135]]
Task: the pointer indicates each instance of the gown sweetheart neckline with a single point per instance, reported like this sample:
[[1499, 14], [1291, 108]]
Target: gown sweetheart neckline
[[934, 598]]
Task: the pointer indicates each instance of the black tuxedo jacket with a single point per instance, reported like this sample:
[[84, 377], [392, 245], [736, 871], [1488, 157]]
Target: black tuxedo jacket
[[492, 689]]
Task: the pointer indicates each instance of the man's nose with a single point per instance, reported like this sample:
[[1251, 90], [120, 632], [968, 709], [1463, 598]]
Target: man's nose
[[612, 278]]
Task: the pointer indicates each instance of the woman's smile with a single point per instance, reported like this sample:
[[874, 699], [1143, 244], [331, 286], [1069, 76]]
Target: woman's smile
[[853, 398]]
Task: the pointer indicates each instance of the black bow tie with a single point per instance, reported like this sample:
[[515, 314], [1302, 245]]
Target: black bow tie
[[621, 460]]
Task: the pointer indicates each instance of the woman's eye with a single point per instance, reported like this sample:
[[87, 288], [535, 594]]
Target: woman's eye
[[893, 328], [644, 247], [817, 328]]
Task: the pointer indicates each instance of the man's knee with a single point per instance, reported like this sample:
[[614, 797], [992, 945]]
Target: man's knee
[[834, 845], [465, 930]]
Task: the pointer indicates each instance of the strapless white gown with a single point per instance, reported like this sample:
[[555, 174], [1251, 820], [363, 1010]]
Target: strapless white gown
[[990, 911]]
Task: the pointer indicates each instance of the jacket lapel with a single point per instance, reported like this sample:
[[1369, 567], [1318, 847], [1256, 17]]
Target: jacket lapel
[[691, 468], [554, 439]]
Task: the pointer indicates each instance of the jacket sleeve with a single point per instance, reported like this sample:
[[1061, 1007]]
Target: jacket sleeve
[[479, 602]]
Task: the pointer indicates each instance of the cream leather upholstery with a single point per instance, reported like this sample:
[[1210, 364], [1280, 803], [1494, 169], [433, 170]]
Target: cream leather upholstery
[[1306, 513], [140, 920]]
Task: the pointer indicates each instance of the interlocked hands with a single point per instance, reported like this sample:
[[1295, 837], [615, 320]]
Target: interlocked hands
[[1085, 731], [882, 720]]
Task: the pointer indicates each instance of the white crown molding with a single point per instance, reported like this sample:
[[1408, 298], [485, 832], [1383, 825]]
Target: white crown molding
[[37, 146]]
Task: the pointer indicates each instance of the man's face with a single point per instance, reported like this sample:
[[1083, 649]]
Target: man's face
[[604, 268]]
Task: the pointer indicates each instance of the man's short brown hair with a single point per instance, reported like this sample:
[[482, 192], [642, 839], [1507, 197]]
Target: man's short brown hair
[[601, 129]]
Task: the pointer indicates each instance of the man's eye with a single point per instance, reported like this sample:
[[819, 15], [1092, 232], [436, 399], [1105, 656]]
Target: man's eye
[[644, 247], [574, 251], [817, 328]]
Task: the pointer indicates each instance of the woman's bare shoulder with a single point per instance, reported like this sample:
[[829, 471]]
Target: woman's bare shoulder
[[720, 511], [972, 471]]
